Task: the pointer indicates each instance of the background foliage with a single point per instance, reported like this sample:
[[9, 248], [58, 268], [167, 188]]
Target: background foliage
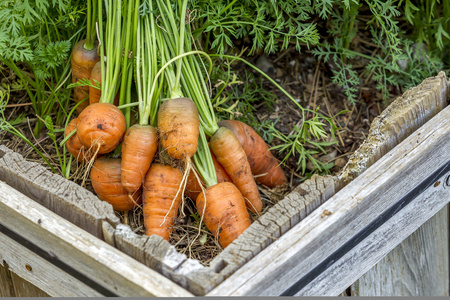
[[404, 41]]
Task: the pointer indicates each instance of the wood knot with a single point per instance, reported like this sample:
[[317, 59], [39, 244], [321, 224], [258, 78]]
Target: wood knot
[[326, 212]]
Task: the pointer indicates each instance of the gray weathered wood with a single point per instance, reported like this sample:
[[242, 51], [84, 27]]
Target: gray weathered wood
[[12, 285], [6, 283], [353, 265], [315, 238], [275, 222], [405, 115], [89, 255], [43, 274], [401, 118], [158, 254], [23, 288], [64, 197], [416, 267]]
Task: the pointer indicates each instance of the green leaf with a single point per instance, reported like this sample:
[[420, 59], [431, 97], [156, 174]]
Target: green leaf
[[409, 7], [203, 239], [16, 49]]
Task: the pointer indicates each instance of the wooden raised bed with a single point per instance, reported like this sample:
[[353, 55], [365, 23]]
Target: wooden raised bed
[[325, 235]]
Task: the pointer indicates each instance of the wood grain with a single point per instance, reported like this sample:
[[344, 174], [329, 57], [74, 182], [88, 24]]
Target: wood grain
[[90, 256], [400, 119], [24, 288], [11, 285], [417, 267], [158, 254], [6, 284], [63, 197]]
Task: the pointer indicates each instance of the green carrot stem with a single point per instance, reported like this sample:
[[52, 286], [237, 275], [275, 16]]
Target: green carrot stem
[[161, 70], [90, 26], [203, 160]]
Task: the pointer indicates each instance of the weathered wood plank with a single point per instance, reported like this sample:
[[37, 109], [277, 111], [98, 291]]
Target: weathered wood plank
[[25, 289], [317, 237], [405, 115], [368, 252], [6, 284], [94, 261], [401, 118], [39, 272], [275, 222], [160, 255], [12, 285], [64, 197], [419, 266]]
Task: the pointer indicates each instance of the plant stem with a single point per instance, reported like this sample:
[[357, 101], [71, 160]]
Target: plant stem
[[203, 160], [90, 26]]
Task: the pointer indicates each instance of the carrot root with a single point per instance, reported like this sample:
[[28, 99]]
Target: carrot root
[[138, 149], [178, 125], [101, 124], [161, 199], [223, 211], [231, 156], [106, 181], [263, 164]]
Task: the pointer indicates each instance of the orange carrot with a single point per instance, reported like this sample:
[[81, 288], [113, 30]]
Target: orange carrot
[[193, 188], [178, 125], [263, 164], [106, 182], [225, 213], [74, 145], [101, 127], [96, 78], [161, 199], [82, 62], [231, 156], [138, 148]]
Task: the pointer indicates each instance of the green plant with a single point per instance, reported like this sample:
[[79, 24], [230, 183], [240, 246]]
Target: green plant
[[237, 94], [391, 42], [431, 22], [271, 25], [8, 126], [305, 141], [36, 36]]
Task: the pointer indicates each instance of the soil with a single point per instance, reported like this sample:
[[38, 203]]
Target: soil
[[305, 78]]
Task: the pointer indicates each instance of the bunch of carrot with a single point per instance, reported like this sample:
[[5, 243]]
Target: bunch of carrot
[[166, 153]]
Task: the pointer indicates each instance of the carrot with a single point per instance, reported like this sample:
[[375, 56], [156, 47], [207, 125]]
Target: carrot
[[193, 188], [178, 124], [106, 182], [225, 213], [161, 199], [263, 164], [231, 156], [96, 78], [138, 148], [195, 87], [74, 145], [101, 127], [82, 62]]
